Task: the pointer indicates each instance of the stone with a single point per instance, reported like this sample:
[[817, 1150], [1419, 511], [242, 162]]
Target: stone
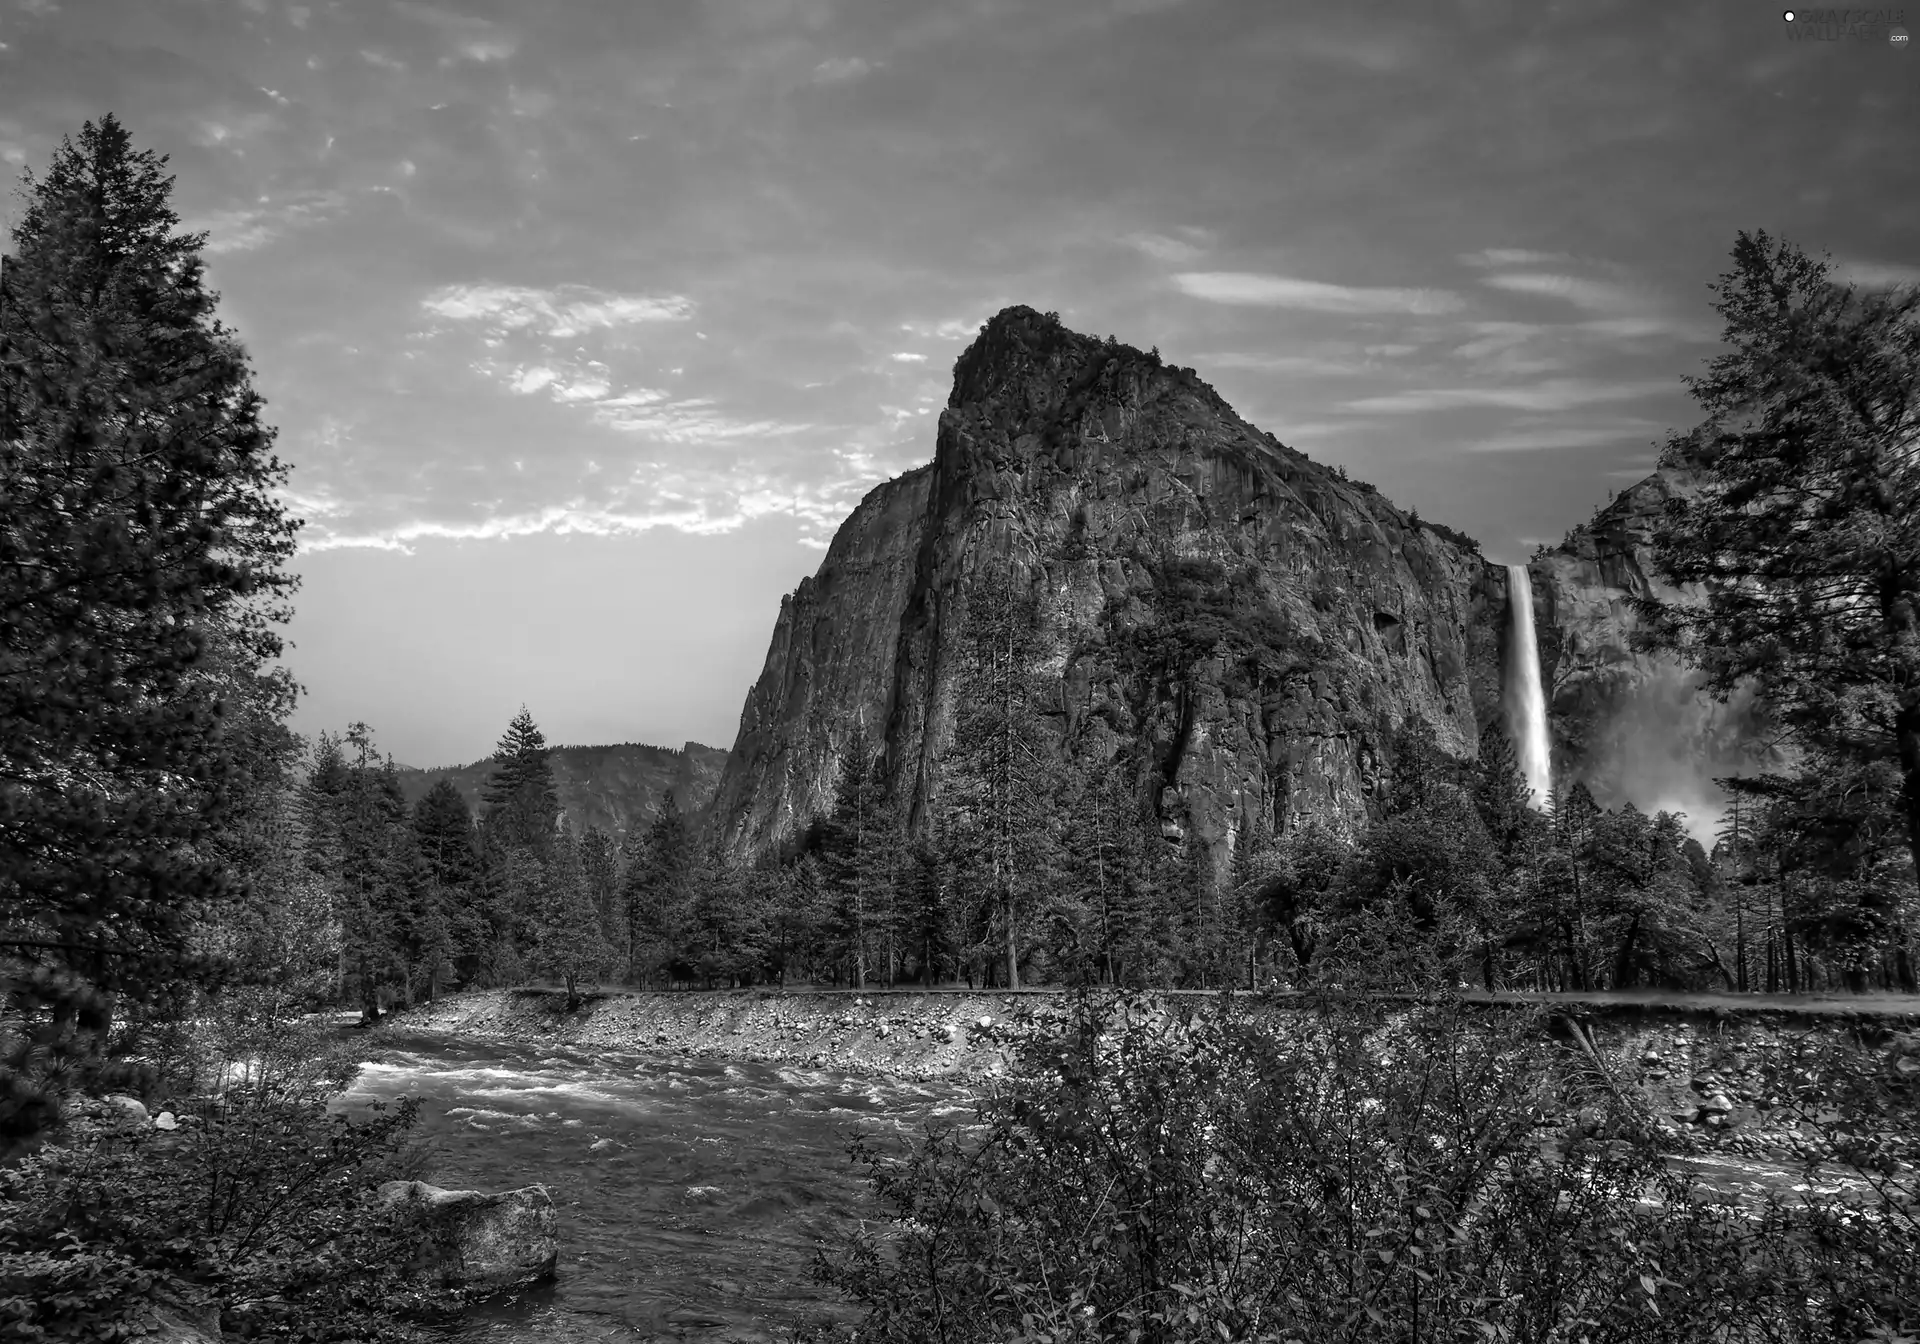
[[481, 1241], [132, 1108], [165, 1120], [1717, 1104], [984, 1023]]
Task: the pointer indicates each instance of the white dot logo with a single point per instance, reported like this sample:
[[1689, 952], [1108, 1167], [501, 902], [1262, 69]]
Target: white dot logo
[[1788, 16], [1898, 37]]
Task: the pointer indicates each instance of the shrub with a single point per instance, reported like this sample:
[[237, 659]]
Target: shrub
[[1339, 1173], [259, 1207]]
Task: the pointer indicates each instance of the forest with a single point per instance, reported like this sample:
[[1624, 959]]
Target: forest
[[185, 882]]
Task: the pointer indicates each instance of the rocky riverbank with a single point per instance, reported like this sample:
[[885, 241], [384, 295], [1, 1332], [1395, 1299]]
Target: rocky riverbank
[[1713, 1076], [890, 1033]]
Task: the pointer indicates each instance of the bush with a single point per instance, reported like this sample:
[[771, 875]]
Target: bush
[[260, 1208], [1340, 1173]]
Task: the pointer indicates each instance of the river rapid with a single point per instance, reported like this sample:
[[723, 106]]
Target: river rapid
[[692, 1194]]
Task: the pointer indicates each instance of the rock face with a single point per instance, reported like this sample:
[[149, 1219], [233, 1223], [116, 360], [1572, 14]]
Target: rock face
[[1243, 625], [614, 787], [1634, 726], [485, 1242]]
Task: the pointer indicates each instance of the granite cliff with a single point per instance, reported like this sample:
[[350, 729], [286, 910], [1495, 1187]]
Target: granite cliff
[[1245, 623], [612, 787]]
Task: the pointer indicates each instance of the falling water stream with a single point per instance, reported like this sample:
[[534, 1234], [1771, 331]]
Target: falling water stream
[[1526, 702]]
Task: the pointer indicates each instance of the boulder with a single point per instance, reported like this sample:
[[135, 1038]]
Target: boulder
[[481, 1241], [132, 1108]]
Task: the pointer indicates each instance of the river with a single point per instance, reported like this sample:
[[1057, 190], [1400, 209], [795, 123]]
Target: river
[[691, 1194]]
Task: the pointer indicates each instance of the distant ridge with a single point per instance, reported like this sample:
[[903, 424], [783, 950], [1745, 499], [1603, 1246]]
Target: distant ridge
[[616, 787]]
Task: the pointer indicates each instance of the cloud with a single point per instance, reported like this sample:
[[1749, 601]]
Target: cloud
[[1303, 365], [907, 357], [1548, 395], [246, 228], [1592, 295], [1173, 251], [840, 70], [570, 310], [1869, 275], [1281, 291], [1510, 256], [1563, 436]]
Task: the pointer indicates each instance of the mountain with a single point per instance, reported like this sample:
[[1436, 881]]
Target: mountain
[[1248, 624], [614, 787]]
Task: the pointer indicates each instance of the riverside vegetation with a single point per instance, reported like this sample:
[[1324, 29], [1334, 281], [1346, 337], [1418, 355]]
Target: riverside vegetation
[[184, 881]]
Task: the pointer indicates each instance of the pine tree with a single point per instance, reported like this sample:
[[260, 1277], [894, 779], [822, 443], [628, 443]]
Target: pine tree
[[855, 856], [1001, 786], [600, 859], [568, 942], [658, 895], [522, 803], [384, 913], [1804, 536], [138, 514]]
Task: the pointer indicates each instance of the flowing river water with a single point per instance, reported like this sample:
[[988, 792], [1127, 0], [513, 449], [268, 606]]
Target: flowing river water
[[691, 1194]]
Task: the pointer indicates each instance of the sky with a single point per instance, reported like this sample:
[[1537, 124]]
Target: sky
[[584, 324]]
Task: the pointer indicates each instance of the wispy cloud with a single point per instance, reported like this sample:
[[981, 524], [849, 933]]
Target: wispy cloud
[[1283, 291], [1303, 365], [246, 228], [840, 70], [1563, 437], [1173, 251], [1553, 394], [568, 311], [907, 357], [1596, 296], [1510, 256], [1874, 275]]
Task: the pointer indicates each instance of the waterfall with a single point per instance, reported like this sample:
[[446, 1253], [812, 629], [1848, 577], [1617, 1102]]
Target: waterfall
[[1526, 703]]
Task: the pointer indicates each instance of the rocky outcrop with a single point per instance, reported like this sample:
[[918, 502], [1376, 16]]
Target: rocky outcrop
[[616, 788], [482, 1242], [1242, 626], [1247, 623]]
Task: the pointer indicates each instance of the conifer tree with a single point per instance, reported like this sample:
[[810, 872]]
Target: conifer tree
[[1001, 786], [568, 942], [1803, 539], [855, 856], [137, 513], [522, 803], [658, 893]]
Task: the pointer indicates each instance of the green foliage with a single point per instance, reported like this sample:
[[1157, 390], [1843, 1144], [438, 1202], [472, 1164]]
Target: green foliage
[[1336, 1174], [141, 527]]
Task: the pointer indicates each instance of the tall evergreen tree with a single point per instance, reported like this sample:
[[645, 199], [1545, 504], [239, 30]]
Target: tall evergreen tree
[[658, 894], [855, 856], [138, 513], [568, 943], [1804, 537], [522, 803], [1001, 785]]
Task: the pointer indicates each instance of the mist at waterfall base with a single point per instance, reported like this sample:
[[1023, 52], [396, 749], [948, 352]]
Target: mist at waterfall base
[[691, 1194], [1661, 744]]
